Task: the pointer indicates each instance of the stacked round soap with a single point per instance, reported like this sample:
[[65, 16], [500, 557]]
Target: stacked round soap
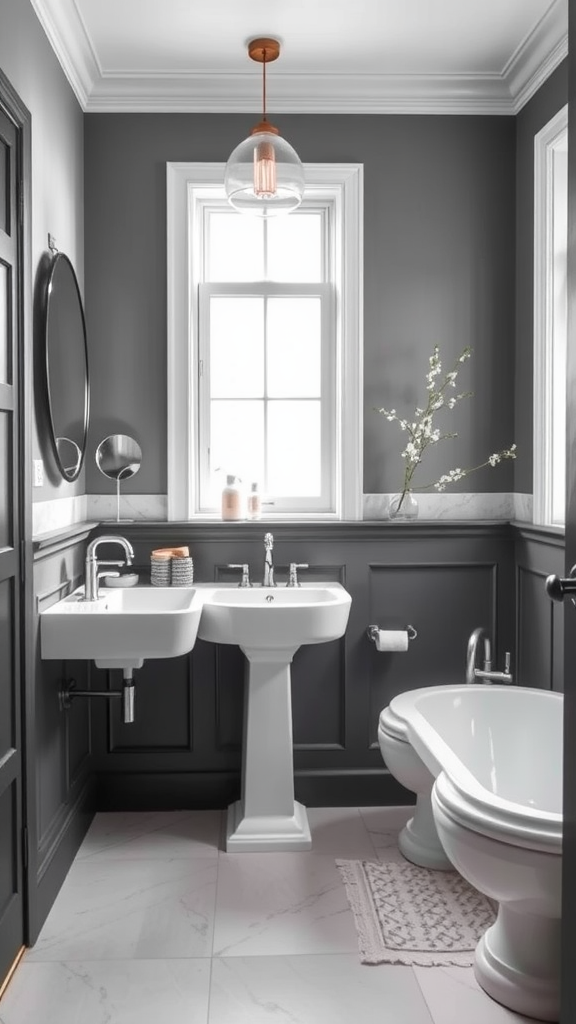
[[171, 567], [182, 571], [160, 569]]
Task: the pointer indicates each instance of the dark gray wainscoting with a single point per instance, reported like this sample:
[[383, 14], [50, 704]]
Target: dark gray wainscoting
[[539, 621], [184, 748], [60, 747]]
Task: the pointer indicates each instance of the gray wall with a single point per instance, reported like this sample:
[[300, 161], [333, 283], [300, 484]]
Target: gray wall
[[549, 99], [28, 61], [184, 747], [59, 814], [439, 269], [57, 748]]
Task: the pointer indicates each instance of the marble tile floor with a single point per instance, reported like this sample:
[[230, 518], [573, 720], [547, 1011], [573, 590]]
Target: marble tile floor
[[155, 922]]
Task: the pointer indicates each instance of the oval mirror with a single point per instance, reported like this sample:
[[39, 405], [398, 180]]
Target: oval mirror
[[66, 365], [118, 457]]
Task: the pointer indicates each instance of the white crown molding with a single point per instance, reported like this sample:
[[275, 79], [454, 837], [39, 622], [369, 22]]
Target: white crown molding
[[538, 55], [310, 94], [68, 38], [121, 91], [542, 72]]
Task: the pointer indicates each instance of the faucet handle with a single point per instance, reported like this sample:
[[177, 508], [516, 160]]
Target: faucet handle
[[293, 573], [507, 661], [245, 581]]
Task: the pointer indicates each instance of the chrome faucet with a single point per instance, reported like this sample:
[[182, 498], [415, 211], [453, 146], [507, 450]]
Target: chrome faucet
[[293, 567], [268, 580], [92, 563], [245, 581], [486, 673]]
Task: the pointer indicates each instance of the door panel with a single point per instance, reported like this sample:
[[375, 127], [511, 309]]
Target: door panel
[[6, 475], [11, 866], [5, 361], [568, 1012]]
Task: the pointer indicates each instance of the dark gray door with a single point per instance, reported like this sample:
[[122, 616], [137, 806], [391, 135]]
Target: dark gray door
[[568, 1015], [11, 868]]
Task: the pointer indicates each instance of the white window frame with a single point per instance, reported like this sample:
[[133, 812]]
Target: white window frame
[[326, 501], [545, 143], [189, 186]]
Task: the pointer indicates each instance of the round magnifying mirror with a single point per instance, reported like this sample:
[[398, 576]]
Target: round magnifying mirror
[[118, 457]]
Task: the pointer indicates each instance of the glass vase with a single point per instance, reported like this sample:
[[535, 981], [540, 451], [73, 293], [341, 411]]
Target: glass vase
[[403, 506]]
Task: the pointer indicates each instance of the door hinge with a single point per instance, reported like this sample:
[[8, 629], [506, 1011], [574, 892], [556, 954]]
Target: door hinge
[[25, 846], [22, 561], [21, 205]]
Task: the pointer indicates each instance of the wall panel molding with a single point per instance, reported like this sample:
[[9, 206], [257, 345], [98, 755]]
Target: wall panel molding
[[444, 601], [444, 578], [162, 709], [62, 821], [539, 622]]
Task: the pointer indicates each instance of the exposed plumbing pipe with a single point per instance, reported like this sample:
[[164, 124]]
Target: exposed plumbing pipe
[[69, 692]]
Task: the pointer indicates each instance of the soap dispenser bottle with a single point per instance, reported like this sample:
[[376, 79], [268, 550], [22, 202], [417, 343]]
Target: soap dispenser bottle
[[232, 500], [254, 503]]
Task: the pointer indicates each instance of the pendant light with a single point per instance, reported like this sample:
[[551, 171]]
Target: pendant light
[[264, 175]]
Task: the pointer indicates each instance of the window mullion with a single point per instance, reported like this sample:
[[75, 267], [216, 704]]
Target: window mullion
[[204, 397], [265, 396]]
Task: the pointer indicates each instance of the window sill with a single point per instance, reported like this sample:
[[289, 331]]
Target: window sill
[[557, 533]]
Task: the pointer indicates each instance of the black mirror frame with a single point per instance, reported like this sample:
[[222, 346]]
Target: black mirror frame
[[44, 314]]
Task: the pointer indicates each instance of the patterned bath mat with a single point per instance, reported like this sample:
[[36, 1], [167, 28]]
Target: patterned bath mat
[[410, 915]]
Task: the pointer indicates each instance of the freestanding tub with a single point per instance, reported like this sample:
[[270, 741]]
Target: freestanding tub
[[486, 764]]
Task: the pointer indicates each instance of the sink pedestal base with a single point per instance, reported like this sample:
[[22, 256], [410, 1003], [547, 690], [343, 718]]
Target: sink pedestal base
[[269, 832], [267, 817]]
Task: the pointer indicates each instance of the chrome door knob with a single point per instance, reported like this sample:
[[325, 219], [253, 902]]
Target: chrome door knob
[[558, 588]]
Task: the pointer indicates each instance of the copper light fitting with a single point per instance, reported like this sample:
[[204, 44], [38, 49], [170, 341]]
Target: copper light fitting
[[264, 51]]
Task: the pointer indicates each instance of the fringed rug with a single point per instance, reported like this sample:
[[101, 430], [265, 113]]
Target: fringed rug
[[409, 915]]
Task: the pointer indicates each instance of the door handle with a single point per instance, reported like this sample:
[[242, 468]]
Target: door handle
[[558, 588]]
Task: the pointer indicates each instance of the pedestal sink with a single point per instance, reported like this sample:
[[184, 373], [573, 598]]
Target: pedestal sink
[[269, 624]]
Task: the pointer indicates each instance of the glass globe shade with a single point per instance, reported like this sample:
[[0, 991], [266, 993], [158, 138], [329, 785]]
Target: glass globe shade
[[264, 176]]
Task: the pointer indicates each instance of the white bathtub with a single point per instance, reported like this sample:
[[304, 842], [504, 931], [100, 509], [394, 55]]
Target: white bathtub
[[486, 765]]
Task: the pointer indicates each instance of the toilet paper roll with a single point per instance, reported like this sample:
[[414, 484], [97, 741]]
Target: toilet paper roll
[[391, 640]]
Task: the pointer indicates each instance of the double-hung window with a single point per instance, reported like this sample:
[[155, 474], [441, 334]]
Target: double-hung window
[[264, 347], [266, 314]]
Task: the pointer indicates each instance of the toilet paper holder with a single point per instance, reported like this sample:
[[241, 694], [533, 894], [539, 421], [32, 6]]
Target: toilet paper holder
[[372, 632]]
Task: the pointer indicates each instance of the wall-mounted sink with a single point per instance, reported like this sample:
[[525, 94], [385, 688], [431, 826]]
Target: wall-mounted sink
[[268, 618], [123, 627]]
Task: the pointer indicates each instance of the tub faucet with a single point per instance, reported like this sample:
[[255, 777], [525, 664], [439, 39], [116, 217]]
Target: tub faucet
[[268, 580], [486, 674], [92, 563]]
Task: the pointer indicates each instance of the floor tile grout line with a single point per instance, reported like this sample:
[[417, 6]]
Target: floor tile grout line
[[221, 849], [369, 835], [209, 999], [433, 1019]]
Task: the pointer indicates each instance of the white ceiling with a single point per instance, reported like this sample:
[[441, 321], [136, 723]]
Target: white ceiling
[[338, 56]]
